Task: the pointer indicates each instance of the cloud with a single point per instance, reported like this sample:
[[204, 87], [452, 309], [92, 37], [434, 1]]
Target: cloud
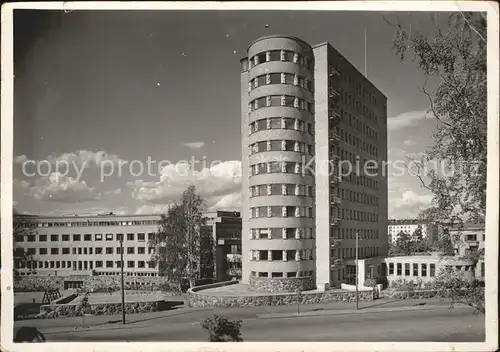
[[408, 142], [60, 188], [194, 145], [231, 201], [114, 192], [408, 204], [79, 157], [152, 209], [219, 180], [406, 119], [20, 159]]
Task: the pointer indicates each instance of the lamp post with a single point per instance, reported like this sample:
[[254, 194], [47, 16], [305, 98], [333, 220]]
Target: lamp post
[[357, 257], [122, 284]]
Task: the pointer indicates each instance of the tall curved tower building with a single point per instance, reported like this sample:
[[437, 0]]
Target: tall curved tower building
[[278, 170], [314, 152]]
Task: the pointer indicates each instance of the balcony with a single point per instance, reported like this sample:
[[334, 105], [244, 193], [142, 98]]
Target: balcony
[[334, 156], [333, 116], [335, 221], [333, 72], [233, 257], [335, 200], [335, 179], [334, 136], [333, 92], [337, 263]]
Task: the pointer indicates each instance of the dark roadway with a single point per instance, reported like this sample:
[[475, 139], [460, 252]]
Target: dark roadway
[[439, 325]]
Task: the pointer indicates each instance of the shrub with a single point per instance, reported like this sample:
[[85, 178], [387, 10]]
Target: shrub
[[221, 329], [382, 280], [454, 286], [370, 283]]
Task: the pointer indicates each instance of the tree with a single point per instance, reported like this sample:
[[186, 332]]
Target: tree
[[452, 285], [178, 241], [22, 225], [404, 243], [221, 329], [456, 56]]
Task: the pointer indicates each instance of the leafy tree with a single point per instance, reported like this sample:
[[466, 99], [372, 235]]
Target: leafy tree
[[455, 54], [404, 243], [452, 285], [178, 241], [22, 225], [221, 329]]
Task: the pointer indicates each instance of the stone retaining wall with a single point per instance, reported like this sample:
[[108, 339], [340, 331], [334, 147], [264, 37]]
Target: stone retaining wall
[[50, 311], [279, 284], [418, 294], [204, 300], [95, 283]]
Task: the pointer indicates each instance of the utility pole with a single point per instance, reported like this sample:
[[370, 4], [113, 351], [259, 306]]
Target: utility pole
[[123, 286], [357, 257]]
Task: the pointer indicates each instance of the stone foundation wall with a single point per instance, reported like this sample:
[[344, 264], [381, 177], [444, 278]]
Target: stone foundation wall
[[275, 284], [50, 311], [419, 294], [95, 283], [201, 300]]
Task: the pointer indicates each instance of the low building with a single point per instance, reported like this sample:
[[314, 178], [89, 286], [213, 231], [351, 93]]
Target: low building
[[468, 241], [425, 267]]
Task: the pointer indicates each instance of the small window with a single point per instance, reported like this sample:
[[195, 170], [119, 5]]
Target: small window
[[432, 271], [53, 238], [65, 238], [424, 270], [98, 236], [54, 251], [398, 269], [141, 237], [109, 237], [130, 250], [415, 269], [77, 237], [87, 237], [130, 236]]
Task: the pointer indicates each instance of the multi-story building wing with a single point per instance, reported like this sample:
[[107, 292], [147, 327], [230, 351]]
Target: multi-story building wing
[[351, 189], [71, 245], [395, 227], [85, 245]]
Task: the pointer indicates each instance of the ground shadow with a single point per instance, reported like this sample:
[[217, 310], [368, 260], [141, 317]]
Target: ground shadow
[[26, 309], [391, 301]]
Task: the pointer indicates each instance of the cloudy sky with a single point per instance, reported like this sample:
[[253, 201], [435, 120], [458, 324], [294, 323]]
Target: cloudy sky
[[104, 89]]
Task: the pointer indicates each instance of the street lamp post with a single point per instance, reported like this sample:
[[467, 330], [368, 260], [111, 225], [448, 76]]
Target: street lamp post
[[122, 284], [357, 257]]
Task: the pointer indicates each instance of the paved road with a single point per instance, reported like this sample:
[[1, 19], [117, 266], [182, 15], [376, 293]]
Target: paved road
[[439, 325]]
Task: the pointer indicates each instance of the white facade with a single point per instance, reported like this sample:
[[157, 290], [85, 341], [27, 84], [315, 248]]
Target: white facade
[[393, 230]]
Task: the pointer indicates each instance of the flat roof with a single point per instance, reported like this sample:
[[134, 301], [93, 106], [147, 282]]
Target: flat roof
[[279, 36]]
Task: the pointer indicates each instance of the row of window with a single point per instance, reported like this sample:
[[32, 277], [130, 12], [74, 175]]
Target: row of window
[[358, 125], [280, 145], [281, 212], [360, 180], [281, 78], [86, 237], [281, 100], [350, 234], [83, 265], [357, 142], [88, 250], [355, 197], [286, 167], [350, 253], [284, 123], [360, 89], [359, 108], [280, 274], [280, 55], [97, 223], [282, 255], [281, 233], [280, 189], [353, 214], [415, 271]]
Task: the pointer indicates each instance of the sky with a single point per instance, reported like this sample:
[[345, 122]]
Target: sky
[[100, 89]]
